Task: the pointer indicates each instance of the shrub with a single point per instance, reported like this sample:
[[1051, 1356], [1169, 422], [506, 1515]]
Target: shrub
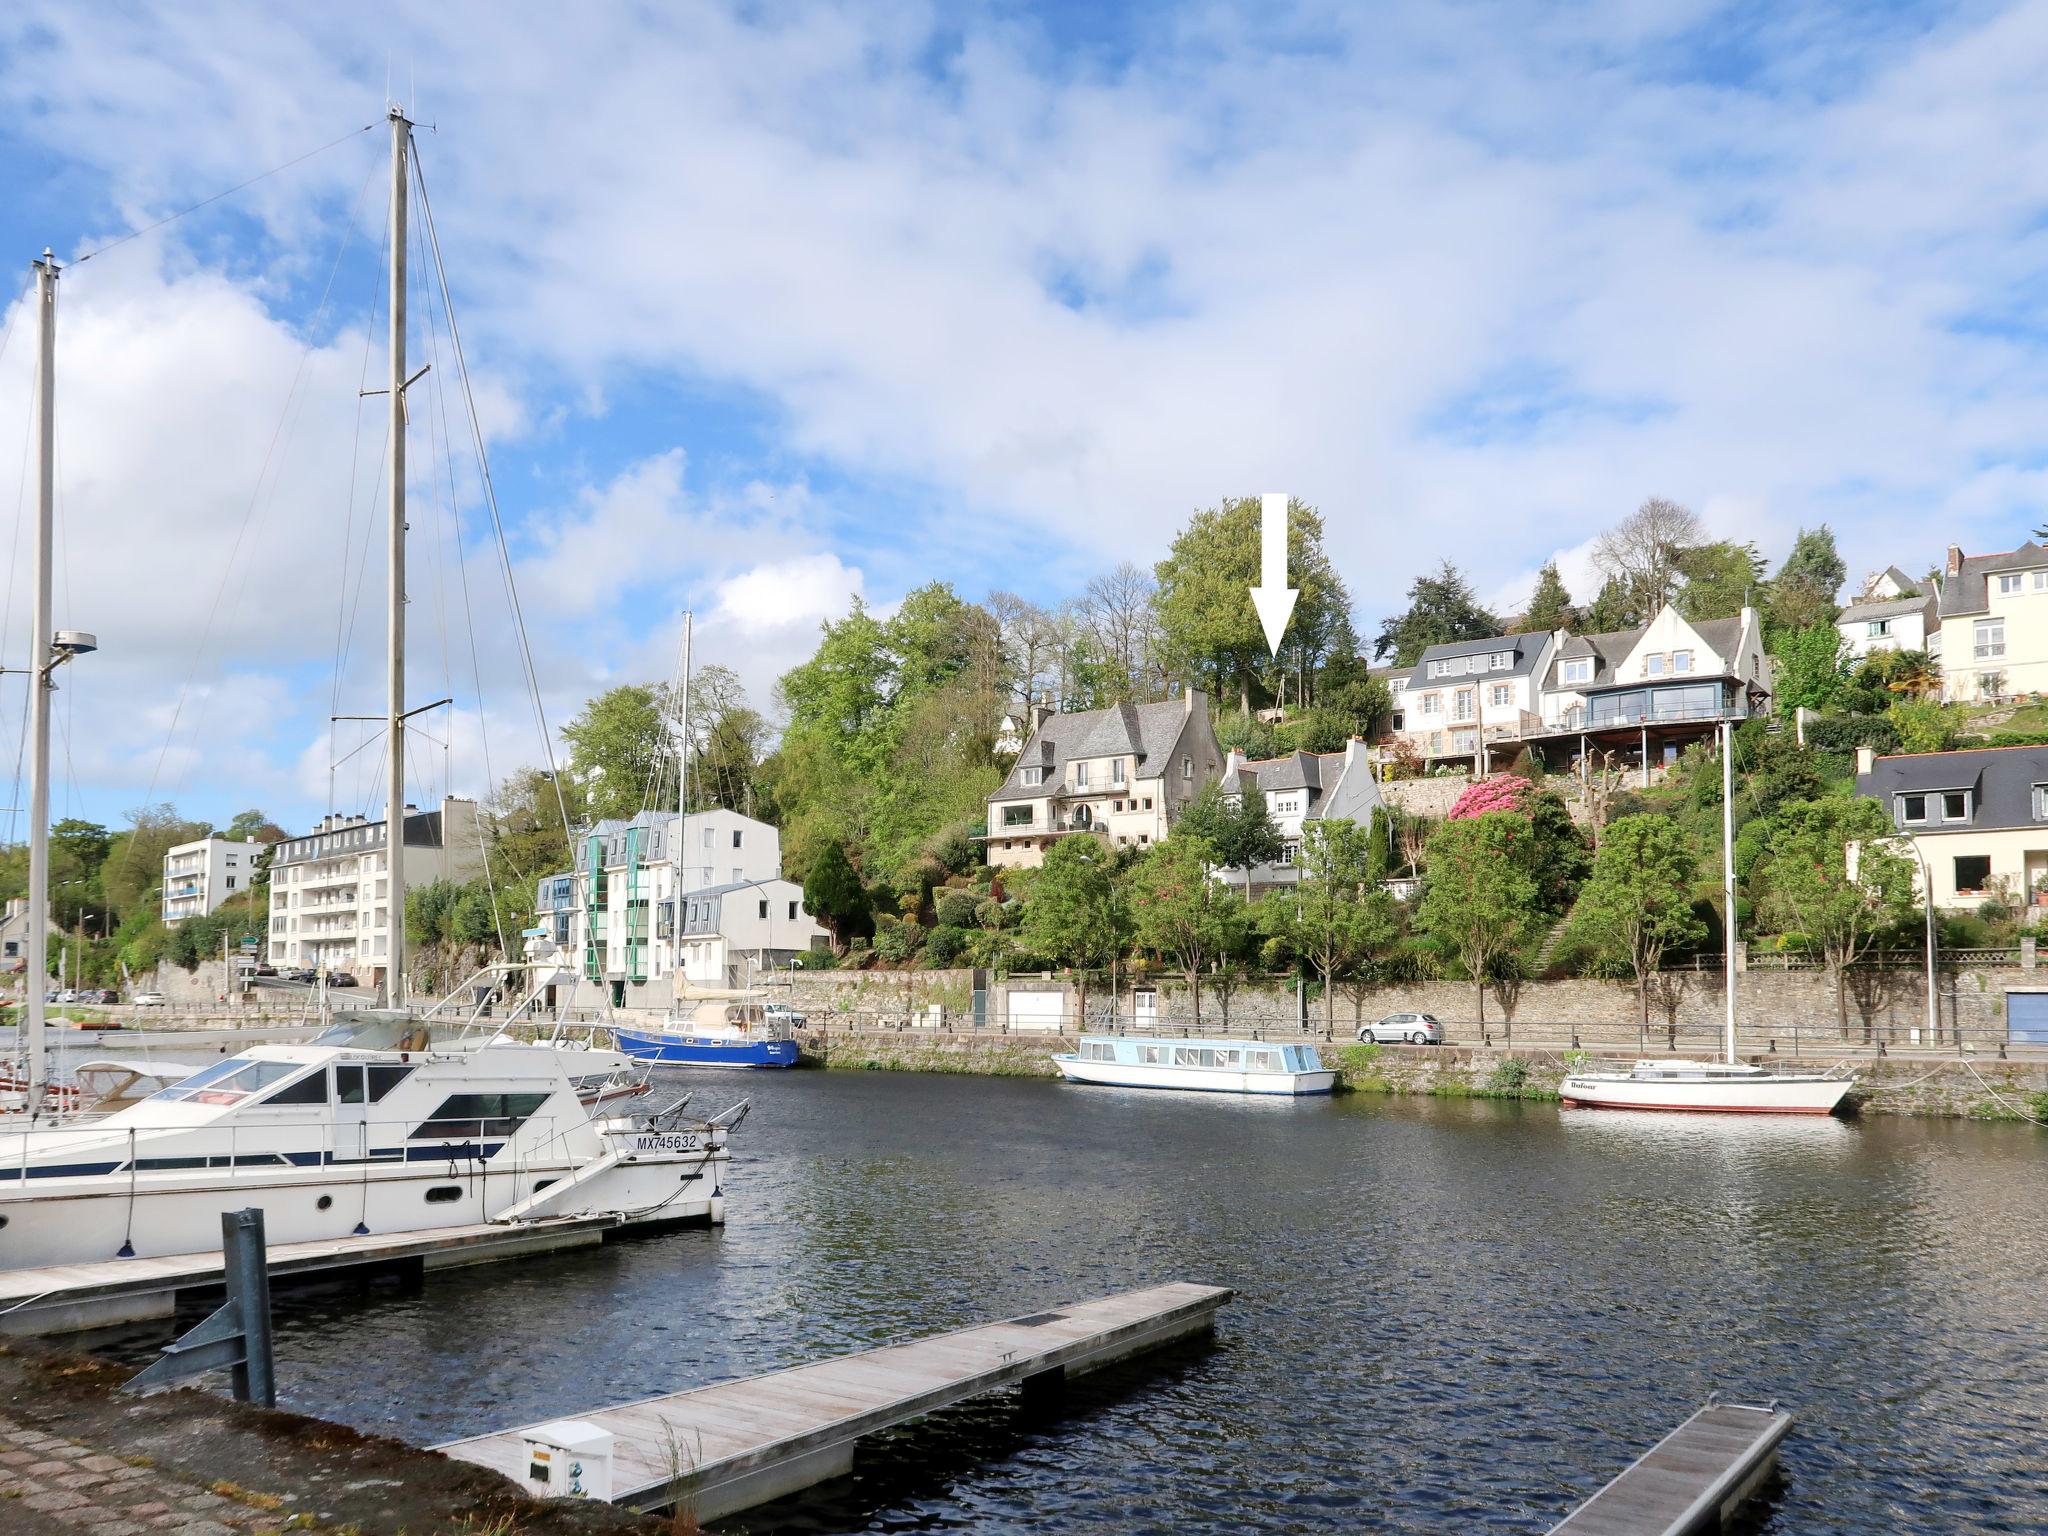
[[1502, 792], [944, 945], [1510, 1076], [817, 960], [895, 940], [1845, 733], [954, 909]]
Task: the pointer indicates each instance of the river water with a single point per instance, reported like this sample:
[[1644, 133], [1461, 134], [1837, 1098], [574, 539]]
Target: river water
[[1452, 1316]]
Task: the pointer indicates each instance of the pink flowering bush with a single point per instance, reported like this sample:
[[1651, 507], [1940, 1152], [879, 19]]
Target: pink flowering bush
[[1502, 792]]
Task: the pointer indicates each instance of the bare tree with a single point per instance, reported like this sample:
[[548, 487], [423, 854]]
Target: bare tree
[[1117, 610], [1030, 642], [1642, 552]]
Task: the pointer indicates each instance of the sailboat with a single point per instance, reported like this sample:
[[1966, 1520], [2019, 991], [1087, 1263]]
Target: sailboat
[[1727, 1086], [390, 1121]]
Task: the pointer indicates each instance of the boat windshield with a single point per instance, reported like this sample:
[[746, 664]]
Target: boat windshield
[[229, 1082], [382, 1032]]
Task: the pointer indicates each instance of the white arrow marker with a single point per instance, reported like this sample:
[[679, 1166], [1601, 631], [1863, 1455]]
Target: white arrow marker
[[1272, 596]]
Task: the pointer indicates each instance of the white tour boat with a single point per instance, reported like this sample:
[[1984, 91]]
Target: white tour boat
[[1727, 1086], [1207, 1066]]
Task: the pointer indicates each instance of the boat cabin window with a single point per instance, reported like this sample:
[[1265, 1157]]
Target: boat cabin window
[[1229, 1060], [1097, 1050], [1153, 1055], [310, 1089], [230, 1081], [366, 1083], [1263, 1061], [480, 1114], [1187, 1056]]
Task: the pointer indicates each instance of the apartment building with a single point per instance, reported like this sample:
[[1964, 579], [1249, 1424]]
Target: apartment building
[[200, 876], [1993, 614], [1300, 789], [330, 891], [613, 918], [1465, 694], [1122, 773]]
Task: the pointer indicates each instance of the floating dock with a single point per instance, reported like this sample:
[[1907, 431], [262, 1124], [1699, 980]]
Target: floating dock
[[1693, 1480], [725, 1448], [65, 1297]]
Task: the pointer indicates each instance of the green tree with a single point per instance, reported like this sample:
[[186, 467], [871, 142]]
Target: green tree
[[1208, 629], [1613, 609], [85, 843], [1442, 607], [834, 895], [1348, 692], [1341, 918], [1812, 883], [1923, 725], [1809, 581], [1717, 581], [1637, 904], [1642, 552], [428, 910], [1236, 828], [1479, 898], [1181, 914], [1076, 914], [619, 748], [1550, 605], [1813, 666]]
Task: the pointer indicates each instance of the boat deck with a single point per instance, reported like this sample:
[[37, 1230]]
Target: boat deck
[[64, 1297], [1691, 1480], [738, 1444]]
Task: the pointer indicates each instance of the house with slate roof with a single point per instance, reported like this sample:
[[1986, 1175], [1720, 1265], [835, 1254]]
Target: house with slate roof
[[1122, 773], [1993, 614], [1980, 819], [1462, 695], [1903, 623], [1301, 788]]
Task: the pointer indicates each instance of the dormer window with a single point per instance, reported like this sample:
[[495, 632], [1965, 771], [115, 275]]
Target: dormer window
[[2041, 802], [1031, 777], [1503, 660], [1955, 805], [2008, 586], [1579, 669]]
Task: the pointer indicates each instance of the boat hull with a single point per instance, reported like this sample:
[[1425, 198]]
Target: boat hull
[[682, 1051], [1121, 1074], [1758, 1096]]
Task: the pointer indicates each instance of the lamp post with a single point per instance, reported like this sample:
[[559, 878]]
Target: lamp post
[[1927, 902]]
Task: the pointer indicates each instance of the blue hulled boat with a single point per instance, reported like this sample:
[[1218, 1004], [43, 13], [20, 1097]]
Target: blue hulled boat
[[723, 1032]]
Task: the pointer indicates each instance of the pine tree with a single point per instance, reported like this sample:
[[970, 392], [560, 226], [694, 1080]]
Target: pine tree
[[1550, 605], [1442, 607]]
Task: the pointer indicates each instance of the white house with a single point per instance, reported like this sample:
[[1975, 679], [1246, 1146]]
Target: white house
[[1671, 671], [1301, 788], [15, 949], [613, 919], [330, 891], [1462, 695], [1892, 613], [200, 876], [1994, 622], [732, 933], [1121, 773], [1979, 820]]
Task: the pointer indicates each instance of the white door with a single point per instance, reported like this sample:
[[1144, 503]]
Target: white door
[[351, 1112], [1037, 1012], [1146, 1007]]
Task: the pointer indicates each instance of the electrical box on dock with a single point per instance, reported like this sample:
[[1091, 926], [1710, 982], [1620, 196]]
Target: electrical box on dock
[[569, 1459]]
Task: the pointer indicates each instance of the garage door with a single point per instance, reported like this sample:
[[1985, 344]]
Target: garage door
[[1038, 1012], [2026, 1017]]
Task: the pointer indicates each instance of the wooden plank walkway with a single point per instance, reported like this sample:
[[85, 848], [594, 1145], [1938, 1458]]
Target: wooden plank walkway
[[65, 1297], [1690, 1481], [741, 1443]]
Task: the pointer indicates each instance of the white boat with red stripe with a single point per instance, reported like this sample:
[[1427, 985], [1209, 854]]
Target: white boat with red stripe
[[1707, 1087]]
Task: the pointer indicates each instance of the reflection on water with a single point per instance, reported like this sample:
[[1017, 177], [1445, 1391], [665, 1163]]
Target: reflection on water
[[1452, 1315]]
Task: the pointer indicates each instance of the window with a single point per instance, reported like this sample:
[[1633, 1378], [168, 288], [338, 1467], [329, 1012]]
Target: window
[[1653, 666], [1432, 703], [444, 1194], [737, 834], [479, 1114], [1031, 776], [1016, 815], [231, 882], [1878, 628], [1148, 802], [311, 1089], [1912, 810], [763, 913], [2007, 585], [1502, 660], [1681, 661], [1973, 873], [1461, 704], [1187, 768], [1116, 772], [1990, 639], [1500, 695], [1080, 775], [792, 911], [2041, 802], [738, 875], [709, 833], [1289, 852], [1577, 670], [1955, 805]]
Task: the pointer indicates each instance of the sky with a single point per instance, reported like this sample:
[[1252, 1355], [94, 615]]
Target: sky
[[769, 307]]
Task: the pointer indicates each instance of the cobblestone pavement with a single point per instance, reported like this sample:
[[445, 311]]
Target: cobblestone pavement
[[50, 1485]]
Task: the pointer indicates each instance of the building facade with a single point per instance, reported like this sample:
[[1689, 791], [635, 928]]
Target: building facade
[[1908, 623], [200, 876], [734, 933], [331, 902], [1122, 773], [1462, 696], [1978, 819], [1301, 789], [16, 952], [1993, 614]]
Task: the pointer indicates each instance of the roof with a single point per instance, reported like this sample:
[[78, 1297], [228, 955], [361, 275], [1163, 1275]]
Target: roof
[[1884, 608], [1341, 784], [2002, 779], [1143, 732], [1609, 650], [1297, 770], [1525, 649], [1966, 590]]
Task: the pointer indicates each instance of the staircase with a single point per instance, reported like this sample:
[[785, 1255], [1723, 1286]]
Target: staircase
[[1539, 966]]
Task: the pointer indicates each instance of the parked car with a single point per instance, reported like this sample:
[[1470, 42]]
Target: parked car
[[266, 969], [783, 1013], [1404, 1029], [340, 979], [105, 995], [150, 1000], [302, 974]]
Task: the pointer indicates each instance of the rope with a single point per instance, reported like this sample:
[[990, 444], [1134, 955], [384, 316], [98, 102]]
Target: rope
[[171, 218], [2030, 1118]]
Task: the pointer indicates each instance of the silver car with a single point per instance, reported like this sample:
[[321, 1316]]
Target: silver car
[[1404, 1029]]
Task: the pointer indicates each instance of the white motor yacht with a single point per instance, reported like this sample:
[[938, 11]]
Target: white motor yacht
[[1209, 1066]]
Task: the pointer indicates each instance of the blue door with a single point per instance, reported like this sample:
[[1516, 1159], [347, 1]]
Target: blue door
[[2026, 1018]]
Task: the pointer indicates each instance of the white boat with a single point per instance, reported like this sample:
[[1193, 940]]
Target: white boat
[[1727, 1086], [1713, 1087], [1204, 1066], [375, 1127]]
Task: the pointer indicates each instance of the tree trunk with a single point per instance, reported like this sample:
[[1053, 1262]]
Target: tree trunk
[[1479, 982], [1081, 1000], [1330, 1004], [1643, 998], [1842, 996], [1195, 994]]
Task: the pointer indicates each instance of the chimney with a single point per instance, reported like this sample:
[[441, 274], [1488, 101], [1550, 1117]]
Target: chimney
[[1955, 559], [1188, 696], [1866, 759], [1040, 713]]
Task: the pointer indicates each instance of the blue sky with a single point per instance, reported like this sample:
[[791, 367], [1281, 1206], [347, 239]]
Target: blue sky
[[773, 306]]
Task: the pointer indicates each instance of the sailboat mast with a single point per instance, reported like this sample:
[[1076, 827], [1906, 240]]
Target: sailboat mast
[[35, 973], [394, 799], [1728, 886], [682, 848]]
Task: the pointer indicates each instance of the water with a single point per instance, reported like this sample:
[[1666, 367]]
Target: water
[[1452, 1316]]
